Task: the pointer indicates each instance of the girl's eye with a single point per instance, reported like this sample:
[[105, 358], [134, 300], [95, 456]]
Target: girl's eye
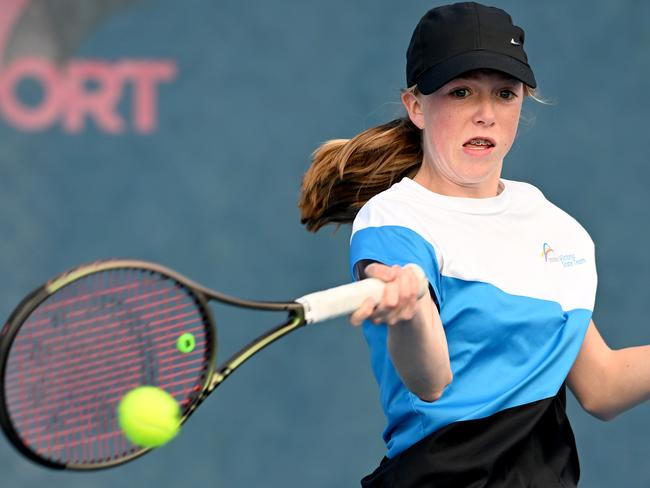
[[460, 93], [507, 94]]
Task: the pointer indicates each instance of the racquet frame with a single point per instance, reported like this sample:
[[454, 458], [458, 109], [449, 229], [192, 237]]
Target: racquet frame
[[214, 375]]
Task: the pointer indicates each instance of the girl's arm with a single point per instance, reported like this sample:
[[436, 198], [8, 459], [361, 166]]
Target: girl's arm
[[607, 382], [416, 338]]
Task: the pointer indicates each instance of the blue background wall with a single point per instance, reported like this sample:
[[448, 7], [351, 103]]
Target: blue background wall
[[212, 192]]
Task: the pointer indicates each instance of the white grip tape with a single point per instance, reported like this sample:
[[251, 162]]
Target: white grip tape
[[345, 299]]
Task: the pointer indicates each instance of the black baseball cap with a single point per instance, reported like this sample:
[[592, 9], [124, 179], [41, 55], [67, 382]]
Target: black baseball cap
[[454, 39]]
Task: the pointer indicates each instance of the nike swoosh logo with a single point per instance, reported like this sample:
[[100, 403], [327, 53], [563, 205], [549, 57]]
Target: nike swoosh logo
[[514, 43]]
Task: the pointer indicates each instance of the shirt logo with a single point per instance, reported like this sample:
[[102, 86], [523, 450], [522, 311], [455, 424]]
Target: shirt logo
[[566, 260], [546, 251]]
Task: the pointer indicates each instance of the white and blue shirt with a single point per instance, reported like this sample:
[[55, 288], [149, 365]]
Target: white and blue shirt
[[515, 280]]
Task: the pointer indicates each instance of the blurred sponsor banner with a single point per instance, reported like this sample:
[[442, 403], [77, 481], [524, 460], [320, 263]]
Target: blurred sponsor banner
[[42, 86]]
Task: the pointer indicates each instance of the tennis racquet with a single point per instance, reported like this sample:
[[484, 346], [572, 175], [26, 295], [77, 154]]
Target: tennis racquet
[[74, 346]]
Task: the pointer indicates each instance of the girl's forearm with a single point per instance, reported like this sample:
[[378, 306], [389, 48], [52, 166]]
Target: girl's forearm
[[418, 349], [628, 382]]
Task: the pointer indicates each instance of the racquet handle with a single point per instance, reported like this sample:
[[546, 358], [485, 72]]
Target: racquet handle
[[345, 299]]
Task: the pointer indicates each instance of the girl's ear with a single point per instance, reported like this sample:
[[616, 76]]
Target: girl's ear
[[413, 107]]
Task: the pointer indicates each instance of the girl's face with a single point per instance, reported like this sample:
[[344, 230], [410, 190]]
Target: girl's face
[[469, 125]]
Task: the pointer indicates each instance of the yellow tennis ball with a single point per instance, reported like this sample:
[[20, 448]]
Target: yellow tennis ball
[[149, 416]]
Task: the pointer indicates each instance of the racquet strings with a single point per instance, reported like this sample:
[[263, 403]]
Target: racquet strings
[[88, 344]]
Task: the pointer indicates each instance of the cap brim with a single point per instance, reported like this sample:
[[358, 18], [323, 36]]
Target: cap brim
[[436, 76]]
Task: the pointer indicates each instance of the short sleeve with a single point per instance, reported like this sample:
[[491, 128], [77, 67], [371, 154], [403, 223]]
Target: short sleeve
[[391, 245]]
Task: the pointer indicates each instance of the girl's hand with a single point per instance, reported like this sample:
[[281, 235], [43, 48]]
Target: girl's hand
[[399, 300]]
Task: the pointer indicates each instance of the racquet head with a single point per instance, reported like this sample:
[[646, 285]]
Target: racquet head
[[73, 347]]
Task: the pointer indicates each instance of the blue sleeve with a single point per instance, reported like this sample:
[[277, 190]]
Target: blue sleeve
[[392, 245]]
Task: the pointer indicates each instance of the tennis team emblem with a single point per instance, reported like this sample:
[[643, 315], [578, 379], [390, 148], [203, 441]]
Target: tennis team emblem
[[566, 260]]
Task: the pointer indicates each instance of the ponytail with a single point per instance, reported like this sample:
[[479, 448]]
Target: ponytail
[[346, 173]]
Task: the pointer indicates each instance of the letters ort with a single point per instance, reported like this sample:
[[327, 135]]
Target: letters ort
[[68, 96]]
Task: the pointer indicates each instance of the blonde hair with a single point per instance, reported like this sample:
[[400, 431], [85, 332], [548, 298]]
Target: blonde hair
[[346, 173]]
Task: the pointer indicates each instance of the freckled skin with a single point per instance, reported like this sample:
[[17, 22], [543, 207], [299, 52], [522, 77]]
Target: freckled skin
[[487, 105]]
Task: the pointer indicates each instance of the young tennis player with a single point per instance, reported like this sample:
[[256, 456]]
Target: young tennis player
[[472, 377]]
